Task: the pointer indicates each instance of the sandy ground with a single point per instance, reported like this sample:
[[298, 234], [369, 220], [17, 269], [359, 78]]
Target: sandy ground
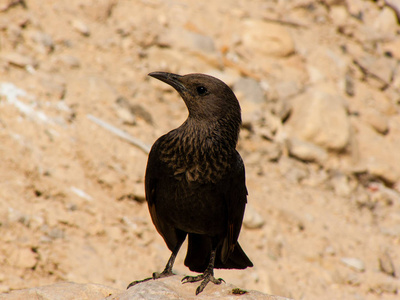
[[71, 193]]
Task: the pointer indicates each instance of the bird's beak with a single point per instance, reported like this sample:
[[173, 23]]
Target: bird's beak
[[173, 80]]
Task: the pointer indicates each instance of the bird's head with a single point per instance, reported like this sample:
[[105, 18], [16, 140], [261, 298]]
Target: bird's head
[[207, 98]]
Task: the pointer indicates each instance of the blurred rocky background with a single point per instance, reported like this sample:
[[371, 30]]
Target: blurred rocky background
[[319, 86]]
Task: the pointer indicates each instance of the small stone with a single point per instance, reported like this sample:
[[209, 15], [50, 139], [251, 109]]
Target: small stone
[[378, 284], [386, 264], [376, 120], [386, 21], [341, 185], [4, 288], [19, 60], [306, 151], [124, 114], [320, 118], [268, 38], [338, 14], [392, 47], [69, 61], [252, 219], [22, 258], [378, 70], [81, 27], [354, 263], [384, 171], [43, 40], [250, 89], [293, 171]]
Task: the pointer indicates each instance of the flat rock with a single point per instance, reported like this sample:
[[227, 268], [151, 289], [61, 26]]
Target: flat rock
[[320, 118], [62, 291], [306, 151], [166, 288], [172, 288], [18, 59], [354, 263], [269, 38]]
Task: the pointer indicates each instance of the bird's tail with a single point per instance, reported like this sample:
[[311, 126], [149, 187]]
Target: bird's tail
[[199, 250], [236, 260]]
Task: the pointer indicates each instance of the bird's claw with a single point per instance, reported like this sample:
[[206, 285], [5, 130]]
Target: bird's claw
[[139, 281], [206, 279]]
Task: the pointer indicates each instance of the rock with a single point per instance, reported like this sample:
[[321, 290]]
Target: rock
[[69, 60], [383, 170], [252, 219], [392, 48], [354, 263], [379, 284], [340, 184], [267, 38], [64, 291], [81, 27], [386, 21], [293, 171], [249, 89], [167, 288], [306, 151], [320, 118], [383, 195], [326, 64], [338, 14], [23, 258], [180, 38], [19, 60], [43, 41], [99, 10], [378, 70], [376, 120], [386, 264], [172, 288]]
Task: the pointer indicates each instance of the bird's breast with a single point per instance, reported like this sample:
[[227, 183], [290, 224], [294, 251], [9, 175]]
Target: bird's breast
[[200, 162]]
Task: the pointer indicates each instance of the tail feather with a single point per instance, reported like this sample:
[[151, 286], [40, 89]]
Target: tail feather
[[198, 255]]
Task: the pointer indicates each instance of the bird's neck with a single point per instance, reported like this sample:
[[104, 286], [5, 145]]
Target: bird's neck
[[206, 134]]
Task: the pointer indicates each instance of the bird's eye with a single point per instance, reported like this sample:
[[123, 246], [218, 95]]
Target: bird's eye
[[201, 90]]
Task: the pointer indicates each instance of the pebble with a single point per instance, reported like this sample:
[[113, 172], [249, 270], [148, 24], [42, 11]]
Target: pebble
[[22, 258], [252, 219], [43, 41], [81, 27], [377, 120], [378, 70], [354, 263], [392, 47], [69, 60], [383, 170], [386, 22], [19, 60], [306, 151], [340, 184], [250, 89], [386, 264], [268, 38]]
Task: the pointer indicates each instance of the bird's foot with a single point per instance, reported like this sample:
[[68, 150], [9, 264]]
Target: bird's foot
[[206, 277], [165, 273], [156, 275], [138, 281]]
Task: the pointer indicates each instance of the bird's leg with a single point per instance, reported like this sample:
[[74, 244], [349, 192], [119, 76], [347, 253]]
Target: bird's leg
[[168, 268], [207, 276]]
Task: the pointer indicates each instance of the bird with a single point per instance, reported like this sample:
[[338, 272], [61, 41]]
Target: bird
[[195, 181]]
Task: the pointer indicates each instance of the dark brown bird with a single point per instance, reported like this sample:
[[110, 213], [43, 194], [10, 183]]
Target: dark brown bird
[[195, 180]]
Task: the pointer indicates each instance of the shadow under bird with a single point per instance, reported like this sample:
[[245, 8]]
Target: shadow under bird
[[195, 181]]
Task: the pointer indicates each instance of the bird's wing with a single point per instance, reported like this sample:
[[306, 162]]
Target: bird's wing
[[235, 199], [154, 173]]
